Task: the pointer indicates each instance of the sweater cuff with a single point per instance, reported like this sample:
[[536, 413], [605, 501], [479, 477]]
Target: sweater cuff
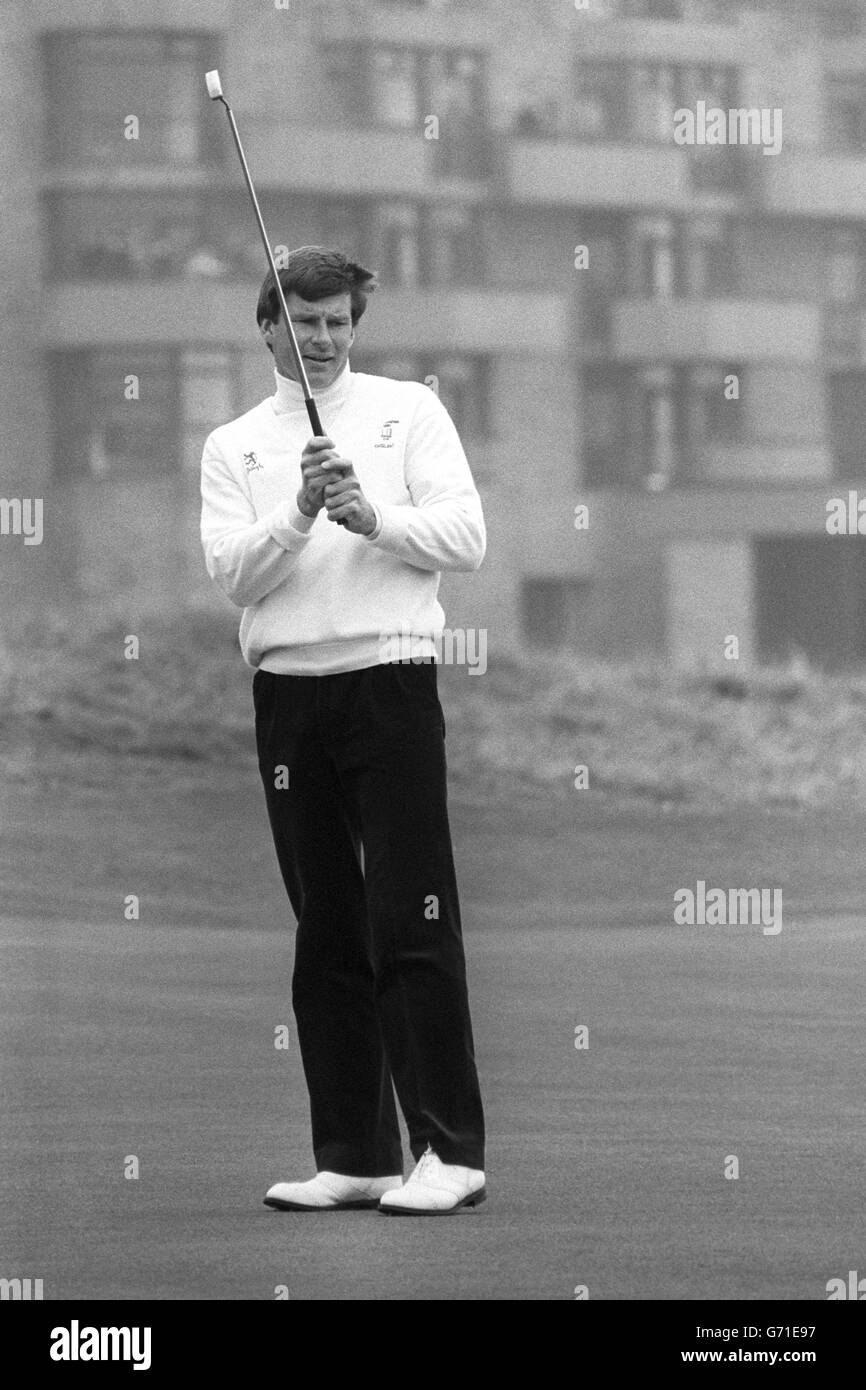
[[289, 527], [391, 526], [377, 529]]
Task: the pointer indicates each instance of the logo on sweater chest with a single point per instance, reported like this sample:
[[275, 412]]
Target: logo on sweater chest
[[385, 439], [251, 463]]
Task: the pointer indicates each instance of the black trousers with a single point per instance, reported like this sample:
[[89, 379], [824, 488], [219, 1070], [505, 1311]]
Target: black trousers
[[364, 847]]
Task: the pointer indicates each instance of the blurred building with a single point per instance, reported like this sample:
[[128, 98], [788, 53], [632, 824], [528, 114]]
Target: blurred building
[[131, 266]]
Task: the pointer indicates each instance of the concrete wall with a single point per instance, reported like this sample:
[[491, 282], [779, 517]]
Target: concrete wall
[[710, 601]]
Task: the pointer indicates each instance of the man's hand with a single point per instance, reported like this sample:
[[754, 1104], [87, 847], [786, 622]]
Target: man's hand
[[346, 503], [318, 462]]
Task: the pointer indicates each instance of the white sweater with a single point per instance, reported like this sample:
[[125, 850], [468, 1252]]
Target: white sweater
[[316, 597]]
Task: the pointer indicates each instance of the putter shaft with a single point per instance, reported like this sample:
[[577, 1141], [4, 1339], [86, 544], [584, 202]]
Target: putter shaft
[[312, 411], [215, 92]]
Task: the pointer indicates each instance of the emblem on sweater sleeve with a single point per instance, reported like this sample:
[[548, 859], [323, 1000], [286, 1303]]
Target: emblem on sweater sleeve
[[251, 463]]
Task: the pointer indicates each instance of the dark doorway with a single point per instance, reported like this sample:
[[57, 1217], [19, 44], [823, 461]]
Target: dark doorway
[[810, 599]]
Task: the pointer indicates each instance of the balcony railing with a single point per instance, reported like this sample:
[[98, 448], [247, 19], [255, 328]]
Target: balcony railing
[[809, 183], [598, 174], [715, 329], [365, 159], [488, 321]]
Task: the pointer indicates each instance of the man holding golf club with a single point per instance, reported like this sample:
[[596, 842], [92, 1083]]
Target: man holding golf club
[[333, 553]]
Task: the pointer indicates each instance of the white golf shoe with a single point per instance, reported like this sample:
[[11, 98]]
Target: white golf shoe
[[329, 1192], [435, 1188]]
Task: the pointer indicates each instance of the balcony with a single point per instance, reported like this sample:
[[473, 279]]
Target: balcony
[[347, 160], [599, 174], [766, 507], [752, 463], [814, 185], [398, 320], [715, 329], [342, 160], [498, 321], [674, 41]]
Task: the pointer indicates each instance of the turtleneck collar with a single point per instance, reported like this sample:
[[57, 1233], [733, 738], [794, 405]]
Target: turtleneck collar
[[289, 396]]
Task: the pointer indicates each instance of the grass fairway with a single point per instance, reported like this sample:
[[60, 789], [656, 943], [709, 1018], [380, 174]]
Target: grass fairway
[[605, 1167]]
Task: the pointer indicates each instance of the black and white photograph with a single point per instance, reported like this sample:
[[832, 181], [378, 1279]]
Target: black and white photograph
[[433, 668]]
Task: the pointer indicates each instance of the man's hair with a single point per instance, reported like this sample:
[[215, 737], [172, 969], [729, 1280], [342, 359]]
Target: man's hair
[[315, 272]]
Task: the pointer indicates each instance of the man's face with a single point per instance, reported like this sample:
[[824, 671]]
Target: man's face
[[323, 328]]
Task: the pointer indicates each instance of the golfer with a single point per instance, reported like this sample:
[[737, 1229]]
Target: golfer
[[340, 624]]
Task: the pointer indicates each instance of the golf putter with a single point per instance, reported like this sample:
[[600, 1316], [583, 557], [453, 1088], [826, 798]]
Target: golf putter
[[215, 92]]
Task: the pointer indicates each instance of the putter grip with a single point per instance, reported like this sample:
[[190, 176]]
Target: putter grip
[[316, 425], [313, 413]]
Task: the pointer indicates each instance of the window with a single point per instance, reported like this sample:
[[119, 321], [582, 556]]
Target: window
[[606, 399], [716, 86], [715, 169], [119, 235], [604, 278], [713, 259], [293, 219], [599, 100], [660, 260], [97, 80], [712, 416], [463, 390], [345, 69], [415, 244], [657, 90], [455, 83], [655, 96], [108, 426], [846, 113], [455, 94], [639, 100], [845, 267], [662, 426], [399, 87], [454, 252], [397, 240], [396, 86], [659, 435], [678, 258], [846, 410], [844, 289], [100, 433]]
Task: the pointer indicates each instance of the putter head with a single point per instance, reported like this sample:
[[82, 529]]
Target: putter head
[[214, 86]]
